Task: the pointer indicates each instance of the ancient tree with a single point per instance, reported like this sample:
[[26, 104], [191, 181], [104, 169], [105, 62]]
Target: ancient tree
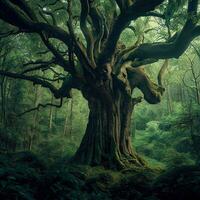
[[98, 64]]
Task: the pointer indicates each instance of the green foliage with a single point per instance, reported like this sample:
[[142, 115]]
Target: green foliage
[[152, 126], [171, 140], [56, 148]]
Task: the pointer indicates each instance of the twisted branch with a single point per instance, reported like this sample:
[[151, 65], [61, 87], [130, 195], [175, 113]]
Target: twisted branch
[[85, 9], [43, 106]]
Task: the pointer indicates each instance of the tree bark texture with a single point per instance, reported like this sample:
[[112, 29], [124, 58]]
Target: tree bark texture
[[107, 140]]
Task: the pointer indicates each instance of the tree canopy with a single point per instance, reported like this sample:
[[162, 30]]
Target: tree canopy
[[82, 37]]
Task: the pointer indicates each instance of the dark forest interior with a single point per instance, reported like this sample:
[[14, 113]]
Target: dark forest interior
[[99, 99]]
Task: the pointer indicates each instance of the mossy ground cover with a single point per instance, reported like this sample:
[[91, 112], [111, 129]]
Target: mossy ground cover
[[24, 176]]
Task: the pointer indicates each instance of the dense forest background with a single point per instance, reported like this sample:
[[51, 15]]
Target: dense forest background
[[166, 133], [40, 132]]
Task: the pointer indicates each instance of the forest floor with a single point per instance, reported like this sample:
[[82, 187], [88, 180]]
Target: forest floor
[[24, 176]]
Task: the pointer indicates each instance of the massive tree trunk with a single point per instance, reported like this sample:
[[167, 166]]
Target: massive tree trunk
[[107, 140]]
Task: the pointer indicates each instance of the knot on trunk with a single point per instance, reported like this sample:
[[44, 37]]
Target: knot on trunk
[[136, 77]]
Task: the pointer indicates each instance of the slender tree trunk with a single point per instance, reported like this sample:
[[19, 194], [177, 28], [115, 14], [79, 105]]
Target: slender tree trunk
[[71, 118], [30, 141], [107, 140], [197, 93], [68, 126], [65, 124], [169, 100], [35, 133], [51, 115], [195, 80], [56, 114], [3, 115], [133, 125], [181, 94]]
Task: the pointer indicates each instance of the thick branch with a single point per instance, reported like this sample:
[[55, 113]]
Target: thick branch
[[99, 25], [10, 14], [172, 48], [32, 79], [139, 8], [167, 50], [69, 82], [138, 78], [85, 9]]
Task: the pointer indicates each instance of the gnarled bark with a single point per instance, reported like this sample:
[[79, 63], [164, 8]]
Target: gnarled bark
[[107, 140]]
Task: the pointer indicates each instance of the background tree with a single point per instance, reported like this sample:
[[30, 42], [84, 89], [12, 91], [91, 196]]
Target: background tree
[[86, 44]]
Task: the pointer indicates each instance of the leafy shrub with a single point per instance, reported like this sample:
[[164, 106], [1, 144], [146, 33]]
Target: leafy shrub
[[152, 126]]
